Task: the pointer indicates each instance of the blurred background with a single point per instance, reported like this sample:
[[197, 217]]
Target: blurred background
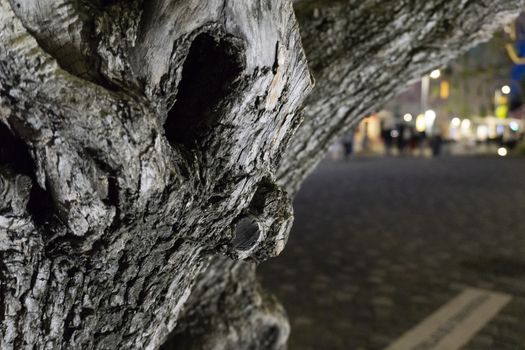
[[418, 205], [473, 106]]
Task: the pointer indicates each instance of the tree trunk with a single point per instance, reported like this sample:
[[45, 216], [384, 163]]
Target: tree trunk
[[138, 139], [147, 148], [361, 53]]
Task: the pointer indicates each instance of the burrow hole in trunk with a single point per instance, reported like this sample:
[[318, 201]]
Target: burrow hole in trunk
[[246, 234], [15, 155], [208, 80]]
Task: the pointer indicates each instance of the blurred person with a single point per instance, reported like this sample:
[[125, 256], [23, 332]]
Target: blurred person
[[435, 143], [414, 141], [348, 143], [401, 141], [406, 135], [386, 135], [421, 142]]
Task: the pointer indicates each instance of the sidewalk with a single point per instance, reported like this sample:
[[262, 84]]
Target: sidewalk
[[378, 246]]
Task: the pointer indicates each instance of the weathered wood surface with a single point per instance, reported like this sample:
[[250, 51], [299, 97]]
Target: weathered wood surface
[[148, 159], [360, 53], [142, 143]]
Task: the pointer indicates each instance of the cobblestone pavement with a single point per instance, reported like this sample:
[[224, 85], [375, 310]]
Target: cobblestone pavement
[[380, 244]]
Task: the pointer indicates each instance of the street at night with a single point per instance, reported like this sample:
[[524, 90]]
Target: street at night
[[379, 244]]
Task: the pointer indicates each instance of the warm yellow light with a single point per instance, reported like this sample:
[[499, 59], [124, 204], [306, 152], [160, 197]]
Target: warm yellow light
[[465, 124], [444, 90], [506, 89], [420, 123], [502, 111], [502, 151], [435, 74], [455, 122], [407, 117]]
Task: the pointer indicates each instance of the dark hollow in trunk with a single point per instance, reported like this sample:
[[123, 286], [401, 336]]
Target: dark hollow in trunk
[[208, 79]]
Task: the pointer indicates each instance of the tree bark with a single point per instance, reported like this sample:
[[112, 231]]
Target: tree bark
[[152, 132], [361, 53], [147, 148]]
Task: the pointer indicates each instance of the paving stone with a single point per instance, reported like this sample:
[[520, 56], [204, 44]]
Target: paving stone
[[379, 245]]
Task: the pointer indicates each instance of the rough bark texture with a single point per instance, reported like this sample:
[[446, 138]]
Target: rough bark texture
[[155, 130], [361, 53], [140, 143]]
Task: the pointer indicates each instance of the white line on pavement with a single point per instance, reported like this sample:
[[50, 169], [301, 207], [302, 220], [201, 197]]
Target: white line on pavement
[[455, 323]]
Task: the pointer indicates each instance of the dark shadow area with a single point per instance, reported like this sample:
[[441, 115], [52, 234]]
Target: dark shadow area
[[113, 192], [260, 197], [246, 234], [497, 265], [15, 155], [208, 81], [40, 205]]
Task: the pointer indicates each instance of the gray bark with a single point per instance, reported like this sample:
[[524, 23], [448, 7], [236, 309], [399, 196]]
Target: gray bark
[[153, 131], [360, 53], [141, 143]]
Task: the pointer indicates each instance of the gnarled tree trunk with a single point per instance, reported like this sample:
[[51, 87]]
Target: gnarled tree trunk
[[148, 147]]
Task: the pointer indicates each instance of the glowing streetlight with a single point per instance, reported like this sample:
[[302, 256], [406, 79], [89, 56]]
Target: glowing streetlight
[[465, 124], [502, 151], [482, 132], [407, 117], [435, 74], [456, 122], [505, 89], [430, 116]]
